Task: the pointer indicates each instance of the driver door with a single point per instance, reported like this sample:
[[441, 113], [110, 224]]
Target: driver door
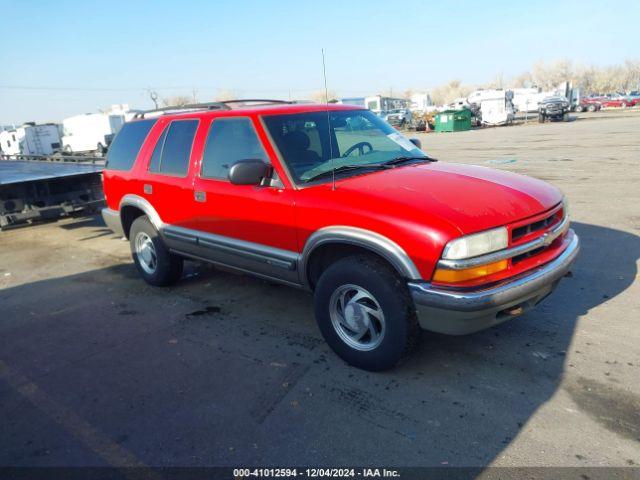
[[247, 227]]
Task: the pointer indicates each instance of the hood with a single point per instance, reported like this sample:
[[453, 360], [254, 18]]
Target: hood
[[469, 198]]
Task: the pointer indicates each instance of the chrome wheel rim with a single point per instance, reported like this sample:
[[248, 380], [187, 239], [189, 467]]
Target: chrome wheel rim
[[146, 253], [357, 317]]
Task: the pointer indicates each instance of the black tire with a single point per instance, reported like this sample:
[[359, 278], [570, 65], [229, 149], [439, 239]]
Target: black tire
[[401, 329], [168, 267], [579, 109], [591, 108], [541, 117], [565, 117]]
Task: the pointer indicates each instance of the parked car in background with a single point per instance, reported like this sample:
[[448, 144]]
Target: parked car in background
[[617, 101], [332, 199], [554, 108], [588, 105], [400, 118]]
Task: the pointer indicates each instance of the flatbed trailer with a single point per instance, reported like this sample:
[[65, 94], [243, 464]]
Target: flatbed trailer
[[36, 188]]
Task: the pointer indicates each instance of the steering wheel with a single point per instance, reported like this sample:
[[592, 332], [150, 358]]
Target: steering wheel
[[360, 146]]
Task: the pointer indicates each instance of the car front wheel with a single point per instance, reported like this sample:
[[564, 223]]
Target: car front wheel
[[365, 313], [156, 265]]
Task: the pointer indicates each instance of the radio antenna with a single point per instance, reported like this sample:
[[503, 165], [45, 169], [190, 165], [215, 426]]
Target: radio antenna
[[326, 101]]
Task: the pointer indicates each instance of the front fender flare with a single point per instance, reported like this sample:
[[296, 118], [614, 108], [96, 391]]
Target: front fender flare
[[379, 244]]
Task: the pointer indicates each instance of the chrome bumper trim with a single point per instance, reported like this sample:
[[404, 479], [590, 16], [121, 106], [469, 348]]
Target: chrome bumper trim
[[501, 295], [112, 220], [542, 241]]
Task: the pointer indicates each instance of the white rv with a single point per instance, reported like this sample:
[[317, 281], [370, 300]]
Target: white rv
[[421, 102], [31, 139], [496, 108], [90, 132]]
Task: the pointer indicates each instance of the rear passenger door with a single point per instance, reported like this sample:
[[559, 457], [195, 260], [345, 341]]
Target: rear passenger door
[[243, 226], [168, 184]]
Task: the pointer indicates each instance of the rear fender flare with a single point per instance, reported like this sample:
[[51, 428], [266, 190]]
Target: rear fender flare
[[144, 205]]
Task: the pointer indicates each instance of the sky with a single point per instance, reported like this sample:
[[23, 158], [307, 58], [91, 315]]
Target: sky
[[61, 58]]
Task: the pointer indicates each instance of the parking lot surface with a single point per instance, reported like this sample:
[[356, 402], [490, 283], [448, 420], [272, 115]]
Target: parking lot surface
[[98, 368]]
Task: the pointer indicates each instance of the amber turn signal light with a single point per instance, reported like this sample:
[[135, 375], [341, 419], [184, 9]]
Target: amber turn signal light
[[454, 276]]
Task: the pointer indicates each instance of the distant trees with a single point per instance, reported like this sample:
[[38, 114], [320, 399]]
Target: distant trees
[[177, 101], [321, 97], [450, 91], [548, 75]]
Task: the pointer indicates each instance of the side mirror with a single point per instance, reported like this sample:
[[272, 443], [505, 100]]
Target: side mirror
[[248, 172], [416, 142]]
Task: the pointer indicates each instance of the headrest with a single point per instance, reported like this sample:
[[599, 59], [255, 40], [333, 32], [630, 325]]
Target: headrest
[[298, 140]]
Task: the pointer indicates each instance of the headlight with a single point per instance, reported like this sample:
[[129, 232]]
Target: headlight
[[476, 244]]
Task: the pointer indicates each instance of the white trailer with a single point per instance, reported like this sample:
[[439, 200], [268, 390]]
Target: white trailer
[[421, 102], [497, 109], [90, 132], [31, 139]]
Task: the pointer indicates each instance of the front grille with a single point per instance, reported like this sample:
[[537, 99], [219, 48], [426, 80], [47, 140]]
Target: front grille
[[515, 260], [518, 233], [539, 226]]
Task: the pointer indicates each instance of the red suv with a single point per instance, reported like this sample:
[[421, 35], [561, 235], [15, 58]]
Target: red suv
[[332, 199]]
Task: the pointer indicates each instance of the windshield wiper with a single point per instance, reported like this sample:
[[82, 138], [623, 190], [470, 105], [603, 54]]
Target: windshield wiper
[[347, 168], [405, 159]]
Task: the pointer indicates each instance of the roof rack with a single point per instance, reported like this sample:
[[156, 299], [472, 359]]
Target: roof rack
[[223, 105], [190, 106]]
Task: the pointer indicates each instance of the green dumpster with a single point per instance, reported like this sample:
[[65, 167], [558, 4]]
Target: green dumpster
[[453, 121]]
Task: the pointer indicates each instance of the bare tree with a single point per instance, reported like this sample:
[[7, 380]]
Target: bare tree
[[154, 97], [176, 101], [447, 93], [224, 94]]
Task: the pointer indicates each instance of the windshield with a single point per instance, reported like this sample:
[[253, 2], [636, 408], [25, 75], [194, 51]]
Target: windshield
[[355, 137]]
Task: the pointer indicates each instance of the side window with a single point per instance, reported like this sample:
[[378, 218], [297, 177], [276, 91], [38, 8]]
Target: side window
[[230, 140], [125, 147], [154, 164], [173, 150]]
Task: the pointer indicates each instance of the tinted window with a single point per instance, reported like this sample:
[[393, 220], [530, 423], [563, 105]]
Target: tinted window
[[230, 140], [173, 150], [125, 147], [311, 144], [154, 164]]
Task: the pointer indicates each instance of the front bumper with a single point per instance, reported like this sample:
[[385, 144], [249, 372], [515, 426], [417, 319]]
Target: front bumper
[[461, 312]]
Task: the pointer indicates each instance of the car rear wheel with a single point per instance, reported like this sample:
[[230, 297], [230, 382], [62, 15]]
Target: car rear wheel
[[365, 313], [591, 108], [156, 265], [579, 109]]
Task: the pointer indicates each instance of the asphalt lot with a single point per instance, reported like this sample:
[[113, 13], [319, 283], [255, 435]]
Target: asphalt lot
[[97, 368]]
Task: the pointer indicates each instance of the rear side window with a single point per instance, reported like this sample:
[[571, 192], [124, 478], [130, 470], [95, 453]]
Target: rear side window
[[125, 147], [230, 140], [173, 150]]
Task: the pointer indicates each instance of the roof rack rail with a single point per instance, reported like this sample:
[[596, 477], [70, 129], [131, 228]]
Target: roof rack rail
[[222, 105], [257, 100], [190, 106]]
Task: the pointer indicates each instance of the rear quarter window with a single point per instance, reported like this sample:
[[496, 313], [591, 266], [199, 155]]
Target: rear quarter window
[[173, 150], [125, 147]]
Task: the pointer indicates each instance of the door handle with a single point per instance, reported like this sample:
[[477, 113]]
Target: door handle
[[200, 196]]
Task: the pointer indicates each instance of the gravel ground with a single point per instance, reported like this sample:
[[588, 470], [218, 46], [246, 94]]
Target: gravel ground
[[97, 368]]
